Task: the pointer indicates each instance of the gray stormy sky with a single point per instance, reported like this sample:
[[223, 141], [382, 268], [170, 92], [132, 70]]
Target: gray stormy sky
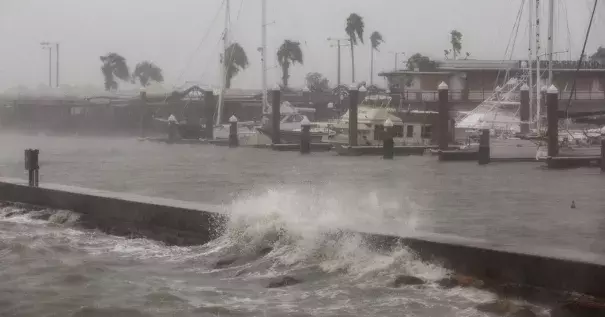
[[170, 32]]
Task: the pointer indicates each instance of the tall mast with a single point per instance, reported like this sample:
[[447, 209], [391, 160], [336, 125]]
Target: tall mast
[[531, 59], [221, 97], [538, 75], [549, 47], [264, 53]]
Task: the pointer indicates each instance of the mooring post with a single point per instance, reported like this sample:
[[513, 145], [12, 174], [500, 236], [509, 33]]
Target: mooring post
[[353, 100], [210, 106], [444, 117], [388, 145], [524, 110], [484, 151], [306, 92], [602, 154], [172, 128], [32, 166], [233, 140], [552, 119], [305, 136], [144, 112], [275, 115]]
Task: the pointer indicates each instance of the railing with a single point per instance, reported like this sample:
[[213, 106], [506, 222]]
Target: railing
[[480, 95]]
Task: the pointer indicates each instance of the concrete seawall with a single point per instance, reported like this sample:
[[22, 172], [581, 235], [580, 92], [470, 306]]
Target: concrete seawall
[[187, 223]]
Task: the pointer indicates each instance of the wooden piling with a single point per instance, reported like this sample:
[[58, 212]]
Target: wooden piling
[[275, 115], [388, 145], [210, 106], [444, 117], [305, 137], [602, 154], [552, 119], [524, 110], [144, 112], [484, 150], [233, 140], [353, 101], [32, 166]]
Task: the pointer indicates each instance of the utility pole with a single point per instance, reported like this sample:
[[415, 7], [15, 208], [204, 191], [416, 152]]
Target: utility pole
[[47, 46], [338, 44], [57, 68], [396, 58]]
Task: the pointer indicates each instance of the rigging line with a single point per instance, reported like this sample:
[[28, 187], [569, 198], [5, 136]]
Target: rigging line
[[573, 87], [517, 22], [201, 42], [568, 29]]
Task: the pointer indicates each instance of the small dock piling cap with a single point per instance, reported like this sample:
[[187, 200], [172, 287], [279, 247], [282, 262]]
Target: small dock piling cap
[[443, 86], [525, 87], [233, 119], [276, 87], [142, 89], [353, 86], [498, 89], [306, 89], [552, 90], [305, 122], [388, 123], [362, 89]]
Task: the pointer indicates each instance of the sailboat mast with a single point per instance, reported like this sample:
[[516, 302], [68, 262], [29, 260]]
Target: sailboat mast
[[264, 54], [549, 47], [531, 59], [538, 75], [221, 97]]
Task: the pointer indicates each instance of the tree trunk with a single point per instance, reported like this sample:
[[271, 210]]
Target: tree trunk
[[285, 76], [352, 62], [371, 66]]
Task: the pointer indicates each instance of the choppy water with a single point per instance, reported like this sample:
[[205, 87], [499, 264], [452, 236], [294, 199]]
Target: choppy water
[[288, 203]]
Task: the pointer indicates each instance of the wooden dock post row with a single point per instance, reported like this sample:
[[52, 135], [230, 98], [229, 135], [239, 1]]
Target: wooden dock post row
[[444, 117], [484, 150], [524, 111], [305, 136], [552, 119], [602, 154], [209, 103], [388, 144]]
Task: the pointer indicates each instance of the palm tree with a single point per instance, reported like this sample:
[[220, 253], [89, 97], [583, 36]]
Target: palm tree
[[236, 60], [114, 65], [146, 71], [354, 30], [375, 39], [456, 41], [289, 53]]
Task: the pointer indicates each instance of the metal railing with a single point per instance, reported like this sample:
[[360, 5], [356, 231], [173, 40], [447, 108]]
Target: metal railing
[[480, 95]]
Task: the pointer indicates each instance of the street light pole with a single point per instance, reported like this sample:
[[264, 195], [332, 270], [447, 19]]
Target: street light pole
[[46, 46], [396, 55], [338, 46]]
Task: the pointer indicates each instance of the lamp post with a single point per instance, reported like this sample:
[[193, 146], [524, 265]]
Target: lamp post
[[49, 46]]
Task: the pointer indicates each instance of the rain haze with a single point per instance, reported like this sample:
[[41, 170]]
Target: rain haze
[[179, 158], [172, 34]]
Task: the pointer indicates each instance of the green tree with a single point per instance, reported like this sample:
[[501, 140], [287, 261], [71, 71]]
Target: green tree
[[236, 60], [316, 82], [456, 41], [289, 53], [599, 55], [147, 71], [354, 30], [114, 65], [375, 39]]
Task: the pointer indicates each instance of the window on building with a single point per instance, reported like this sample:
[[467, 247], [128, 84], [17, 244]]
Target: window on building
[[427, 132], [398, 131], [409, 132]]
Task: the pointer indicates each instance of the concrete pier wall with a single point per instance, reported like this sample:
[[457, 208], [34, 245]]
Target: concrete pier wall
[[188, 223], [171, 221]]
